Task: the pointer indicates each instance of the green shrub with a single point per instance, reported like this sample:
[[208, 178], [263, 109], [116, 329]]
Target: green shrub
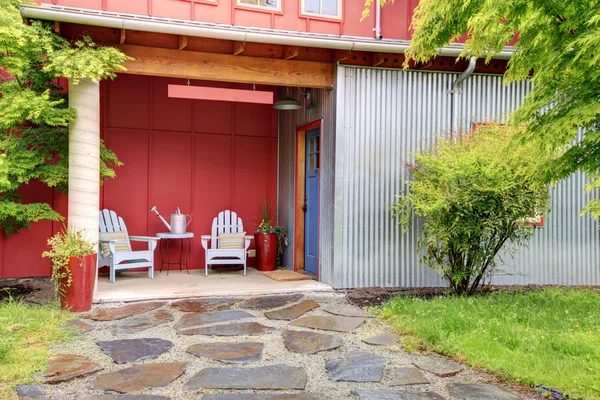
[[476, 192]]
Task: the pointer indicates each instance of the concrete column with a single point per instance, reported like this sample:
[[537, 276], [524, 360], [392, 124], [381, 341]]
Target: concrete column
[[84, 158]]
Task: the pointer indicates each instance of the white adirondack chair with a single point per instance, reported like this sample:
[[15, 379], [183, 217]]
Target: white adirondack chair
[[226, 222], [120, 255]]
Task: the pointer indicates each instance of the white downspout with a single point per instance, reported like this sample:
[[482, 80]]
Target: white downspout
[[456, 88], [84, 160], [378, 21]]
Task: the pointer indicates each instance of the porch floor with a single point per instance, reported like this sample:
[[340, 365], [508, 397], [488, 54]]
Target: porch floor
[[135, 286]]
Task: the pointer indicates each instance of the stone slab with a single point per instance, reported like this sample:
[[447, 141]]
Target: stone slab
[[329, 323], [408, 376], [276, 377], [142, 322], [234, 329], [439, 366], [384, 339], [276, 396], [235, 353], [122, 397], [268, 302], [195, 320], [111, 314], [286, 276], [130, 350], [65, 367], [386, 394], [79, 326], [347, 310], [309, 342], [203, 305], [357, 367], [292, 312], [479, 391], [31, 392], [139, 377]]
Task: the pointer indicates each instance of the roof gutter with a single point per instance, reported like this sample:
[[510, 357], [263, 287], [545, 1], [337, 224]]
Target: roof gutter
[[215, 31]]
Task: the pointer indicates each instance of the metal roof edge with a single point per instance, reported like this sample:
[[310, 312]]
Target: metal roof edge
[[145, 23]]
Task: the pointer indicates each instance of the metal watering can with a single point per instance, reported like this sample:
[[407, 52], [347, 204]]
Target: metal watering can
[[179, 222]]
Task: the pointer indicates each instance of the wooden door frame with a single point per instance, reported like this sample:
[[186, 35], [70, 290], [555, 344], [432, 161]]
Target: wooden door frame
[[299, 191]]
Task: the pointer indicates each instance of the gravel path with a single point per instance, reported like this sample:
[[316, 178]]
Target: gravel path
[[318, 381]]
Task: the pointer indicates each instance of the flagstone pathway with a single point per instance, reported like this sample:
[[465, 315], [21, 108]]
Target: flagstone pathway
[[309, 347]]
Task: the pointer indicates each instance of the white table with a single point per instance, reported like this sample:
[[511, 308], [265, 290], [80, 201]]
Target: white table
[[167, 237]]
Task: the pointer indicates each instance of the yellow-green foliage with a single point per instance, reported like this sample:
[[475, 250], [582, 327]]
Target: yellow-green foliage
[[26, 332], [34, 115], [558, 41], [474, 191], [549, 337]]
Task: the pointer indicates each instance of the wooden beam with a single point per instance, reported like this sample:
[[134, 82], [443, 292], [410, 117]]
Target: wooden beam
[[378, 59], [238, 48], [181, 42], [57, 27], [154, 61], [122, 40], [340, 55], [290, 52]]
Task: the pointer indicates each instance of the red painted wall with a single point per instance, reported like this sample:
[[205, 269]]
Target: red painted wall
[[202, 156], [395, 17]]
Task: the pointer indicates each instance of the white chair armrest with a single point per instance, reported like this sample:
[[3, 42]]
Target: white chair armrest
[[143, 238], [247, 241], [205, 239]]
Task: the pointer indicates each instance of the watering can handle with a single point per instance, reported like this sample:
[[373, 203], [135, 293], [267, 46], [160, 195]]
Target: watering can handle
[[188, 215]]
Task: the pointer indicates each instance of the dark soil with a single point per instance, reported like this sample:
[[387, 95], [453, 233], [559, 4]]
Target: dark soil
[[374, 296], [29, 290]]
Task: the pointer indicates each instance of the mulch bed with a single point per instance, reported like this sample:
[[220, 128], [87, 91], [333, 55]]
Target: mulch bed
[[30, 290], [374, 296]]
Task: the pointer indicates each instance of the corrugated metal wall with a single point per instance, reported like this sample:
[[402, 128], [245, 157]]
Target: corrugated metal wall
[[322, 108], [383, 117]]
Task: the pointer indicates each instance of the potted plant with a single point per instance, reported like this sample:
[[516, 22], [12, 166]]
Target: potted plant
[[73, 269], [269, 240]]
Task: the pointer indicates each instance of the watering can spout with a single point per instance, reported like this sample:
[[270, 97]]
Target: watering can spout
[[161, 218]]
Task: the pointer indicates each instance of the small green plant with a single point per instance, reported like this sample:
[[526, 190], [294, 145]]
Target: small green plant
[[266, 226], [63, 246], [476, 192]]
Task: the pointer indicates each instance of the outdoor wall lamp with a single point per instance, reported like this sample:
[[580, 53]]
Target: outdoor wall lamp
[[287, 102]]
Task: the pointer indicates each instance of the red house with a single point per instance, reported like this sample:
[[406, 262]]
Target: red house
[[332, 167]]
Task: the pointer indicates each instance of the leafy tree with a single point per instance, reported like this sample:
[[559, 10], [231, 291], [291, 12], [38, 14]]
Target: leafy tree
[[34, 115], [475, 192], [558, 40]]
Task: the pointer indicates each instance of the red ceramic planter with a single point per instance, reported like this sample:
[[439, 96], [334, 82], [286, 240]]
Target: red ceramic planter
[[266, 251], [78, 296]]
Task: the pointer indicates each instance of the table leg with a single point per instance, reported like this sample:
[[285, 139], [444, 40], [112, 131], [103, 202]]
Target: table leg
[[168, 259], [180, 253], [162, 260], [187, 260]]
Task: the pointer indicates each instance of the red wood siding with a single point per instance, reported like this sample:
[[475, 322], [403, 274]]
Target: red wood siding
[[202, 156], [395, 19]]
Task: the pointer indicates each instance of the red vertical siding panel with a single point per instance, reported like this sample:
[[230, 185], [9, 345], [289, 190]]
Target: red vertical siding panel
[[250, 178], [169, 114], [23, 252], [129, 6], [170, 175], [171, 9], [127, 194], [2, 254], [252, 119], [212, 184], [127, 105]]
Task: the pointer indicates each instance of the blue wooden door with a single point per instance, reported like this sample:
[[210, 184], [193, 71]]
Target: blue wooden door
[[311, 215]]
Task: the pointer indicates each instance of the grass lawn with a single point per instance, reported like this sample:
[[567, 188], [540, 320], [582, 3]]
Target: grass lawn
[[549, 337], [26, 332]]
